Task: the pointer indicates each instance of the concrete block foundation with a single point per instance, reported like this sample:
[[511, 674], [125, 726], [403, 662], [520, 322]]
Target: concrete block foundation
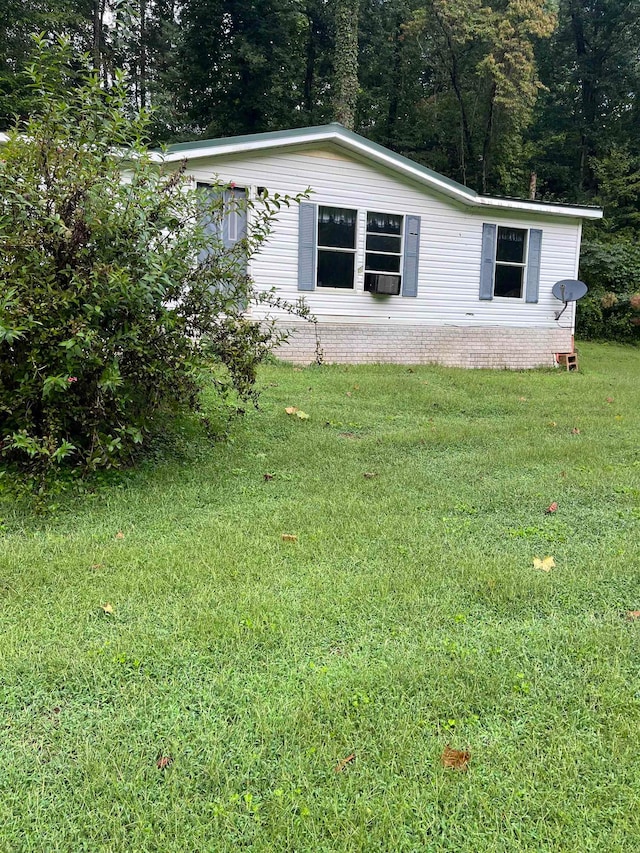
[[452, 346]]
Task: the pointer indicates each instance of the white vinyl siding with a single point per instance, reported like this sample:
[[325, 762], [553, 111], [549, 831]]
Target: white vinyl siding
[[450, 242]]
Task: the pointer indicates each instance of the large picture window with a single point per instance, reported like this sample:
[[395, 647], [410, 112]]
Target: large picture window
[[383, 253], [336, 247], [511, 261]]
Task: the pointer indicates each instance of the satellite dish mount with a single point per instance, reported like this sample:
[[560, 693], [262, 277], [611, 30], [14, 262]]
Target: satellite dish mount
[[568, 290]]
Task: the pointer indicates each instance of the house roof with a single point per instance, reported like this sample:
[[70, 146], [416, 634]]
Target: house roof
[[356, 144]]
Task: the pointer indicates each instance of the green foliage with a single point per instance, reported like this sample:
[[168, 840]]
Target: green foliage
[[114, 295], [345, 64], [242, 65], [610, 264]]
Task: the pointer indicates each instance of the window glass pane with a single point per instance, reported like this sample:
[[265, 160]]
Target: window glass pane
[[335, 269], [337, 227], [511, 242], [376, 243], [508, 281], [383, 263], [384, 223]]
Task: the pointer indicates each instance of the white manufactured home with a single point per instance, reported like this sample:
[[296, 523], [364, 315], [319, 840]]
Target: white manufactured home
[[396, 262]]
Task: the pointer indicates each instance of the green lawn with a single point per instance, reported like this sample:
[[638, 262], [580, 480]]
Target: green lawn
[[407, 616]]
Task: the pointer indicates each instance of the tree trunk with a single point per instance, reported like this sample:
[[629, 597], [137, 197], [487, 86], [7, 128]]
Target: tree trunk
[[588, 95], [488, 135], [143, 53], [309, 73], [98, 15], [346, 62], [396, 81]]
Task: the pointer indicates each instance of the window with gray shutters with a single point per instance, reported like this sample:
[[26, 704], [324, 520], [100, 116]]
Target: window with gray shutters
[[336, 265]]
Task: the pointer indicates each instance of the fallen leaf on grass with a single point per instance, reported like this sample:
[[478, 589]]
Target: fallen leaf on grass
[[268, 476], [632, 615], [163, 762], [119, 535], [575, 431], [609, 399], [107, 608], [545, 565], [523, 399], [553, 507], [552, 423], [456, 759], [294, 410], [340, 766], [370, 474], [289, 537], [348, 393], [97, 566]]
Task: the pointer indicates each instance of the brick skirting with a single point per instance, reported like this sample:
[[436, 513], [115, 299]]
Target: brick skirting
[[453, 346]]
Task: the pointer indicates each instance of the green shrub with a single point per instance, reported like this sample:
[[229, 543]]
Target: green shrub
[[610, 265], [108, 319]]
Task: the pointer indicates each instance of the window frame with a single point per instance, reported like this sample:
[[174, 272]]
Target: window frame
[[520, 265], [399, 255], [341, 249]]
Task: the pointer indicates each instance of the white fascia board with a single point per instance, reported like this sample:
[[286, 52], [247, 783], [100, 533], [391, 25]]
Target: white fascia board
[[468, 197], [539, 207], [239, 147]]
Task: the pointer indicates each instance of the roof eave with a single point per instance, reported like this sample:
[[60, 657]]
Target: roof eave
[[551, 208], [355, 143]]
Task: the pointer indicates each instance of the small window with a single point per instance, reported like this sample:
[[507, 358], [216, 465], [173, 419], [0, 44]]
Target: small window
[[383, 255], [336, 247], [511, 260]]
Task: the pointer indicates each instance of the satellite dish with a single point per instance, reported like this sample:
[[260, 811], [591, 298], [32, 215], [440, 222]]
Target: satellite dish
[[568, 290]]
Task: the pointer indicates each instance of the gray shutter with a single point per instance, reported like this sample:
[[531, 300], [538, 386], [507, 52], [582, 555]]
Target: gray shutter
[[211, 226], [307, 237], [411, 256], [533, 265], [488, 264], [226, 239], [235, 213]]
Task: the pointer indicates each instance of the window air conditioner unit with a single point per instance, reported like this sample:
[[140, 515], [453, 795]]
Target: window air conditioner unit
[[385, 285]]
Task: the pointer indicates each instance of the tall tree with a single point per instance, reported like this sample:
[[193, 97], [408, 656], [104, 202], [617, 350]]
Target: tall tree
[[346, 62], [591, 71], [242, 65], [19, 20], [480, 63], [318, 67]]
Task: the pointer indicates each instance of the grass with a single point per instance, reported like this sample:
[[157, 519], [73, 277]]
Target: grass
[[407, 616]]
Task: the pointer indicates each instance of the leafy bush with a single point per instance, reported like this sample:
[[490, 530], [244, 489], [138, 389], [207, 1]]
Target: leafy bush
[[610, 264], [114, 295]]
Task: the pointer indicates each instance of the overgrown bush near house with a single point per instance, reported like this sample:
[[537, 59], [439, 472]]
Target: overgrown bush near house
[[610, 264], [610, 256], [114, 296]]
